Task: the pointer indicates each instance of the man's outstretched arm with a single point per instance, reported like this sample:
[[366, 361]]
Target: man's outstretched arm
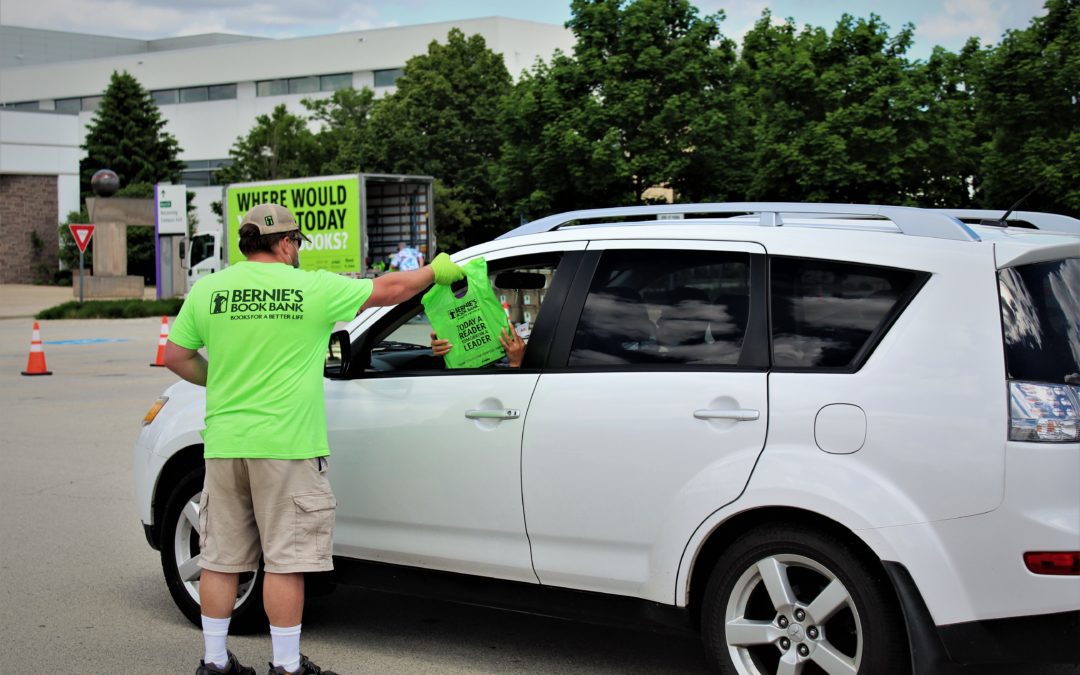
[[390, 289]]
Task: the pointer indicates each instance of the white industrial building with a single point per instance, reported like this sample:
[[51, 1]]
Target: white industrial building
[[210, 88]]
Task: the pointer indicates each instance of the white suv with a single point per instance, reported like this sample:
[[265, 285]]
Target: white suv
[[831, 438]]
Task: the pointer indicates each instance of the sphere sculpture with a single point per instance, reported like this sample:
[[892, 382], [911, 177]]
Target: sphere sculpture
[[105, 182]]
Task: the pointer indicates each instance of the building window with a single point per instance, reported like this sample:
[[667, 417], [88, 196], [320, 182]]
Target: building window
[[202, 172], [304, 85], [310, 84], [271, 87], [68, 106], [335, 82], [25, 105], [216, 92], [193, 95], [165, 96], [221, 92], [91, 103], [195, 178], [387, 78]]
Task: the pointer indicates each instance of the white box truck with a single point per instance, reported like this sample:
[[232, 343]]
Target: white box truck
[[354, 221]]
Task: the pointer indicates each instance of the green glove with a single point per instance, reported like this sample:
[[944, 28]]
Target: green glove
[[446, 270]]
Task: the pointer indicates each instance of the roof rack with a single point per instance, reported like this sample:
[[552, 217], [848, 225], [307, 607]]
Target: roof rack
[[1050, 222], [908, 220]]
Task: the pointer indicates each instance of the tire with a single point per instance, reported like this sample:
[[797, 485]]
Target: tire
[[784, 600], [179, 561]]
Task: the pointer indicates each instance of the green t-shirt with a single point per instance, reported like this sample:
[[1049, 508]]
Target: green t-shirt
[[265, 327]]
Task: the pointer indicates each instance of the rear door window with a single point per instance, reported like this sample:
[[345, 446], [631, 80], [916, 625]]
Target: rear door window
[[829, 315], [1040, 312], [674, 307]]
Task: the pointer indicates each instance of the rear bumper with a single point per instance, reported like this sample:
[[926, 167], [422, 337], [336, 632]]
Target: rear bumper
[[1040, 638], [1043, 638]]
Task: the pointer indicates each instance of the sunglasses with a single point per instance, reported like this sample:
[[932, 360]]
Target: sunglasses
[[296, 240]]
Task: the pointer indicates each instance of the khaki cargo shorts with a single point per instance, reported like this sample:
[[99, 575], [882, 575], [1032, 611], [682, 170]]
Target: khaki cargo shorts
[[280, 509]]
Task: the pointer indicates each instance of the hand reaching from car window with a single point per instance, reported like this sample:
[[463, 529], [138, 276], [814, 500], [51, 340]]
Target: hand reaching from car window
[[439, 347], [514, 346], [511, 342]]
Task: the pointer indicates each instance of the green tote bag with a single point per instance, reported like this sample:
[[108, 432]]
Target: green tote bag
[[471, 321]]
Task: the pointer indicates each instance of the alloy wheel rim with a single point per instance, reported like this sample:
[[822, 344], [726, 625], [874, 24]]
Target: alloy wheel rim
[[788, 614], [186, 555]]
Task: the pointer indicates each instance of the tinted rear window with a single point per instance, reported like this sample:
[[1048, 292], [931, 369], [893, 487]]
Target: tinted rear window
[[825, 313], [1040, 312], [664, 307]]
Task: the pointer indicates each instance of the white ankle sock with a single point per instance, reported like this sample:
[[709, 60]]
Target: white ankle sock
[[214, 633], [286, 643]]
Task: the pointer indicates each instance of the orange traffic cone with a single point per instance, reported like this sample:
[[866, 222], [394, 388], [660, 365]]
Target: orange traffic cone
[[159, 362], [35, 365]]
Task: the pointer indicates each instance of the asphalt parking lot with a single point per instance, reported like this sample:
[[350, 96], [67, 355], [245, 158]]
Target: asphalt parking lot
[[80, 590]]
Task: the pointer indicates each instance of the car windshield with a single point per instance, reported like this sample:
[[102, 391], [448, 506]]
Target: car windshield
[[1040, 309], [202, 247]]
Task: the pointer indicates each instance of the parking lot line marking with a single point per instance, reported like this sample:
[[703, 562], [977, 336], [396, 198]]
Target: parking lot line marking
[[86, 341]]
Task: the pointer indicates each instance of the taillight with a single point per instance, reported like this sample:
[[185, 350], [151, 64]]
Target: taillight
[[1044, 413], [1058, 563]]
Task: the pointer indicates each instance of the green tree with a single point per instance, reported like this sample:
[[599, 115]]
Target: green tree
[[343, 124], [1027, 105], [442, 121], [948, 175], [837, 116], [280, 145], [646, 100], [127, 134]]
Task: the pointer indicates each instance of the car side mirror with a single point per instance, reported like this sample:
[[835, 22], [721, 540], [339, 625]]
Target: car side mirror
[[183, 251], [337, 355]]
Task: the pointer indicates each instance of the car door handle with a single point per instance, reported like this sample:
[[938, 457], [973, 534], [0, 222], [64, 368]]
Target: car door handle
[[504, 414], [743, 415]]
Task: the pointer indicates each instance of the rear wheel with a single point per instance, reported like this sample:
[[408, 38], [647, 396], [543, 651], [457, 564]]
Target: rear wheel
[[180, 561], [789, 601]]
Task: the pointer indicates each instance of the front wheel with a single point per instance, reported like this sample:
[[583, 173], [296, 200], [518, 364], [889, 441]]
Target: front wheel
[[787, 601], [180, 561]]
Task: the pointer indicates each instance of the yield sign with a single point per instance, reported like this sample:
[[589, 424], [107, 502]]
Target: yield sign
[[82, 234]]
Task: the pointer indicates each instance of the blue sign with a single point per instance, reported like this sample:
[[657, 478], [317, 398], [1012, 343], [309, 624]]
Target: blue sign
[[85, 341]]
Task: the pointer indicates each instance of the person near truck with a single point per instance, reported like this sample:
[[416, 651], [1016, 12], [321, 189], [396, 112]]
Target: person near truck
[[407, 258], [265, 325]]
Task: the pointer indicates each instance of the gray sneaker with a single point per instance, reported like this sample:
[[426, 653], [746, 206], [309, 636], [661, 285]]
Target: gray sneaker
[[233, 667], [306, 668]]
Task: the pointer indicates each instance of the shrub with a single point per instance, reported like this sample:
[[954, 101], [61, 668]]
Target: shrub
[[112, 309]]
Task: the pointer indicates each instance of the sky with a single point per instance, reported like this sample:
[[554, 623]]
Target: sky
[[937, 22]]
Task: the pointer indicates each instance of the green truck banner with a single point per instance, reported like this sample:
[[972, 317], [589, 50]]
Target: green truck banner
[[326, 209]]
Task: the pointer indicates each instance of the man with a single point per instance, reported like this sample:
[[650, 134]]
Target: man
[[265, 325], [406, 258]]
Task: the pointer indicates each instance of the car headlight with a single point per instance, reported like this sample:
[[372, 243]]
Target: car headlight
[[155, 409]]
